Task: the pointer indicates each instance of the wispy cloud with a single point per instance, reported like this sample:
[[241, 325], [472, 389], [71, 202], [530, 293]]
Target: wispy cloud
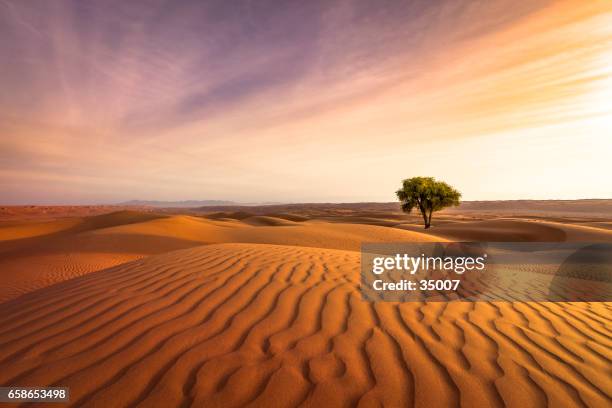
[[302, 101]]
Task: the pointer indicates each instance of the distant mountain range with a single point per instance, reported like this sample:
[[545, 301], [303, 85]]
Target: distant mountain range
[[188, 203], [179, 204]]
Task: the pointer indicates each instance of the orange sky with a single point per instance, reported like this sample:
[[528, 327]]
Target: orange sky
[[322, 102]]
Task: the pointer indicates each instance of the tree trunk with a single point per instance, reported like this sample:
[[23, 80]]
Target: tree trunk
[[429, 219], [425, 219]]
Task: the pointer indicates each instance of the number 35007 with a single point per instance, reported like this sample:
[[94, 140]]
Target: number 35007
[[439, 284]]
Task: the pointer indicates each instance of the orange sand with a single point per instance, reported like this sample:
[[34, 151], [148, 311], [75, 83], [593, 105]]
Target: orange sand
[[141, 309]]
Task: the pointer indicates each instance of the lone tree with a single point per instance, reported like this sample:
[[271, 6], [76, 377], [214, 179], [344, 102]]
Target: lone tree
[[428, 195]]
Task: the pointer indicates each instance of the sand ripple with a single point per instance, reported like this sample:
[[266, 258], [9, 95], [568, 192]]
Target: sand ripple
[[271, 325]]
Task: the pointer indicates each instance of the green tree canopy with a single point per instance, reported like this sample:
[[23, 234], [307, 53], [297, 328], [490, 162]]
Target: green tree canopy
[[427, 195]]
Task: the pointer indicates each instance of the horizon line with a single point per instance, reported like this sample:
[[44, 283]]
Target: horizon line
[[230, 203]]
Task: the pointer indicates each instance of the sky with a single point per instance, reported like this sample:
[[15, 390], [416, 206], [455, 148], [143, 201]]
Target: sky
[[303, 101]]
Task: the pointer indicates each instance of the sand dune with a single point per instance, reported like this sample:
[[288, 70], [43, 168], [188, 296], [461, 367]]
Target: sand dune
[[512, 230], [20, 230], [54, 212], [260, 230], [35, 255], [266, 325], [137, 308], [262, 220]]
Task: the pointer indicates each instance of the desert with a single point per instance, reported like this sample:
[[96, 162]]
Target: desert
[[322, 203], [155, 308]]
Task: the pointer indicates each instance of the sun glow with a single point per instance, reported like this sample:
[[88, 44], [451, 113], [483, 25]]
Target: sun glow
[[330, 106]]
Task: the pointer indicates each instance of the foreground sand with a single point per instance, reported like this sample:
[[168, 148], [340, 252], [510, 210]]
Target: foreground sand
[[136, 308], [236, 324]]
